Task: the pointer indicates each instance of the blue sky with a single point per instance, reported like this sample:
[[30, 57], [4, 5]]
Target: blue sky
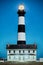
[[9, 22]]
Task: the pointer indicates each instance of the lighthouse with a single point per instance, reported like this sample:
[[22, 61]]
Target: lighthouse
[[21, 25], [21, 52]]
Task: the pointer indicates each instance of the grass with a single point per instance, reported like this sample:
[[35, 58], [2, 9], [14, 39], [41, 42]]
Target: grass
[[20, 63]]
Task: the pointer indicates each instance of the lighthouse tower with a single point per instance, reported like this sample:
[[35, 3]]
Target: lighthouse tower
[[21, 25], [21, 51]]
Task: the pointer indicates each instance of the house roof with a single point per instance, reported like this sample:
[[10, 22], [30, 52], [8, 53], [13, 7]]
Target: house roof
[[21, 46]]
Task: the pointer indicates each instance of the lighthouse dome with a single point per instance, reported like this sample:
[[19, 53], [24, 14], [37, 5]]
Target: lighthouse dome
[[21, 7]]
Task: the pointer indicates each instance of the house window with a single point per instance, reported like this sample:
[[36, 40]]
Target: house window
[[19, 51], [23, 58], [33, 57], [9, 51], [33, 51], [14, 57], [28, 51], [9, 57], [19, 58]]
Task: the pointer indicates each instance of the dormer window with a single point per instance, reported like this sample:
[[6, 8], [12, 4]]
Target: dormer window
[[14, 51], [28, 51], [9, 51], [19, 51], [33, 51], [23, 51]]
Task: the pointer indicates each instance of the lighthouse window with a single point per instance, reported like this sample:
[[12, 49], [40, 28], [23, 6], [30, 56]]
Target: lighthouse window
[[19, 51]]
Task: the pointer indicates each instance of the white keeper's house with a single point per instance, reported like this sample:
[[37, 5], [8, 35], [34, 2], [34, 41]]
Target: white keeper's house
[[21, 52]]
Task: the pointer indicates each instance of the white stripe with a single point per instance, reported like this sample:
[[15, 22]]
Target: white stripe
[[21, 20], [21, 36]]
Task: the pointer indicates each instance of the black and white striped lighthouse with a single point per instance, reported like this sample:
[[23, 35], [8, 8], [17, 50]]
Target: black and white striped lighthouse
[[21, 25], [21, 52]]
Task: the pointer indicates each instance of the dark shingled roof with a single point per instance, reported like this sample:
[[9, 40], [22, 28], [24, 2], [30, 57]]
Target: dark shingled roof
[[21, 46]]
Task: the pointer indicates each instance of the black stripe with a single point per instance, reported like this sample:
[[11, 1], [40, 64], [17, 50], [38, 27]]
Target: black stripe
[[21, 28], [21, 42], [21, 13]]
